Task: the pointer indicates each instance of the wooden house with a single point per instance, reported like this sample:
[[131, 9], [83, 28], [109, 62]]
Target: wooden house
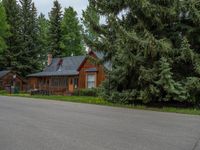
[[9, 79], [64, 75]]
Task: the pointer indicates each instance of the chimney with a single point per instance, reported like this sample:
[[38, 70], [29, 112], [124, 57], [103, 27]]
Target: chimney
[[49, 59]]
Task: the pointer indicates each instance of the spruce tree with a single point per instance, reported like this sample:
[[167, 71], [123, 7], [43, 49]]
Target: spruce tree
[[55, 34], [71, 34], [10, 55], [152, 57], [29, 30], [4, 28], [189, 24], [43, 36], [90, 12]]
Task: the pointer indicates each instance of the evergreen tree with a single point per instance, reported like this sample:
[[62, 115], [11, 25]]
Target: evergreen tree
[[10, 55], [171, 89], [55, 33], [189, 23], [152, 56], [29, 30], [4, 28], [90, 12], [43, 25], [71, 34]]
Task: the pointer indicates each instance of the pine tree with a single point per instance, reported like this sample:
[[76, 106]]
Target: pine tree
[[4, 28], [190, 22], [43, 44], [55, 33], [29, 53], [90, 12], [171, 89], [151, 53], [71, 34], [10, 55]]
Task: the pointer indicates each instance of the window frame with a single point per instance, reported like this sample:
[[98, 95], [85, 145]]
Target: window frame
[[95, 80]]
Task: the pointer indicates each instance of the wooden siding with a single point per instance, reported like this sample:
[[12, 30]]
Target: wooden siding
[[35, 82], [7, 81], [100, 74], [63, 86]]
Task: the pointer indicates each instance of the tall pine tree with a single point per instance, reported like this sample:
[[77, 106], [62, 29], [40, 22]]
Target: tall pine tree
[[29, 30], [90, 12], [190, 22], [43, 37], [55, 33], [153, 58], [72, 43], [3, 28], [11, 54]]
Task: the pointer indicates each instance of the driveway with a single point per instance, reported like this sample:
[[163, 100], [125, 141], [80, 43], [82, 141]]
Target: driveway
[[29, 124]]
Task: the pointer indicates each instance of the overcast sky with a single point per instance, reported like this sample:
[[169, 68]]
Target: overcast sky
[[45, 6]]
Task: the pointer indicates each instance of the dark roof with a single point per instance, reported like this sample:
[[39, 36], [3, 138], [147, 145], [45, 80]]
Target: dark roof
[[56, 73], [69, 67], [3, 73], [91, 70]]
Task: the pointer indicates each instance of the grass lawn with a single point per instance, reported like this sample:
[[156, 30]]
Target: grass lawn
[[99, 101]]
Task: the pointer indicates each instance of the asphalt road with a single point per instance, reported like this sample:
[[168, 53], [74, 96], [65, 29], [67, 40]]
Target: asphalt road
[[28, 124]]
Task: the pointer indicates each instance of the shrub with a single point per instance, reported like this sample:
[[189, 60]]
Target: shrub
[[86, 92], [3, 92], [113, 96]]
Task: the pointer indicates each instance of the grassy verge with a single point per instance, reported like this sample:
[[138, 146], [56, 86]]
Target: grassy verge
[[99, 101]]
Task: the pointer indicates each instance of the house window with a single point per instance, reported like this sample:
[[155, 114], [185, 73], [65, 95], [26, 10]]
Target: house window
[[75, 83], [59, 82], [91, 81]]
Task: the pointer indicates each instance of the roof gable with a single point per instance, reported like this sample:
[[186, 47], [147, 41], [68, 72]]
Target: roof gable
[[98, 55]]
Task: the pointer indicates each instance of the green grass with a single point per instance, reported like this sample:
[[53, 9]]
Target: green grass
[[100, 101]]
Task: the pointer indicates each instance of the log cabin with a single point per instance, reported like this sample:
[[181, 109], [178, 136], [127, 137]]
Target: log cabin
[[64, 75], [9, 78]]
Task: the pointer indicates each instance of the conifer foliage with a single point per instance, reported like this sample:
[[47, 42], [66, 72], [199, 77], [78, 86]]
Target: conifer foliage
[[154, 57], [28, 56], [43, 39], [3, 27], [13, 40], [93, 14], [55, 34], [71, 41], [26, 38]]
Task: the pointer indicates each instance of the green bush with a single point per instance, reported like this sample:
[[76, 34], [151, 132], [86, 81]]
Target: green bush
[[86, 92], [3, 92]]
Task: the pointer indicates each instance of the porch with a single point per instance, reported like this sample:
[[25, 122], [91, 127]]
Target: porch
[[60, 85]]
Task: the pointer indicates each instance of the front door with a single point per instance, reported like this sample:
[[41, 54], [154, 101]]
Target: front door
[[71, 85]]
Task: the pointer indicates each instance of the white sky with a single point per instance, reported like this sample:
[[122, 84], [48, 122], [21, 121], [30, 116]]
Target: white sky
[[45, 6]]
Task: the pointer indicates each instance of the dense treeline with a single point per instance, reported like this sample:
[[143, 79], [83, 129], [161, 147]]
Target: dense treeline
[[26, 37], [152, 45], [154, 48]]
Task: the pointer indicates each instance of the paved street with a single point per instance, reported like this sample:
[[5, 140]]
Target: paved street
[[28, 124]]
